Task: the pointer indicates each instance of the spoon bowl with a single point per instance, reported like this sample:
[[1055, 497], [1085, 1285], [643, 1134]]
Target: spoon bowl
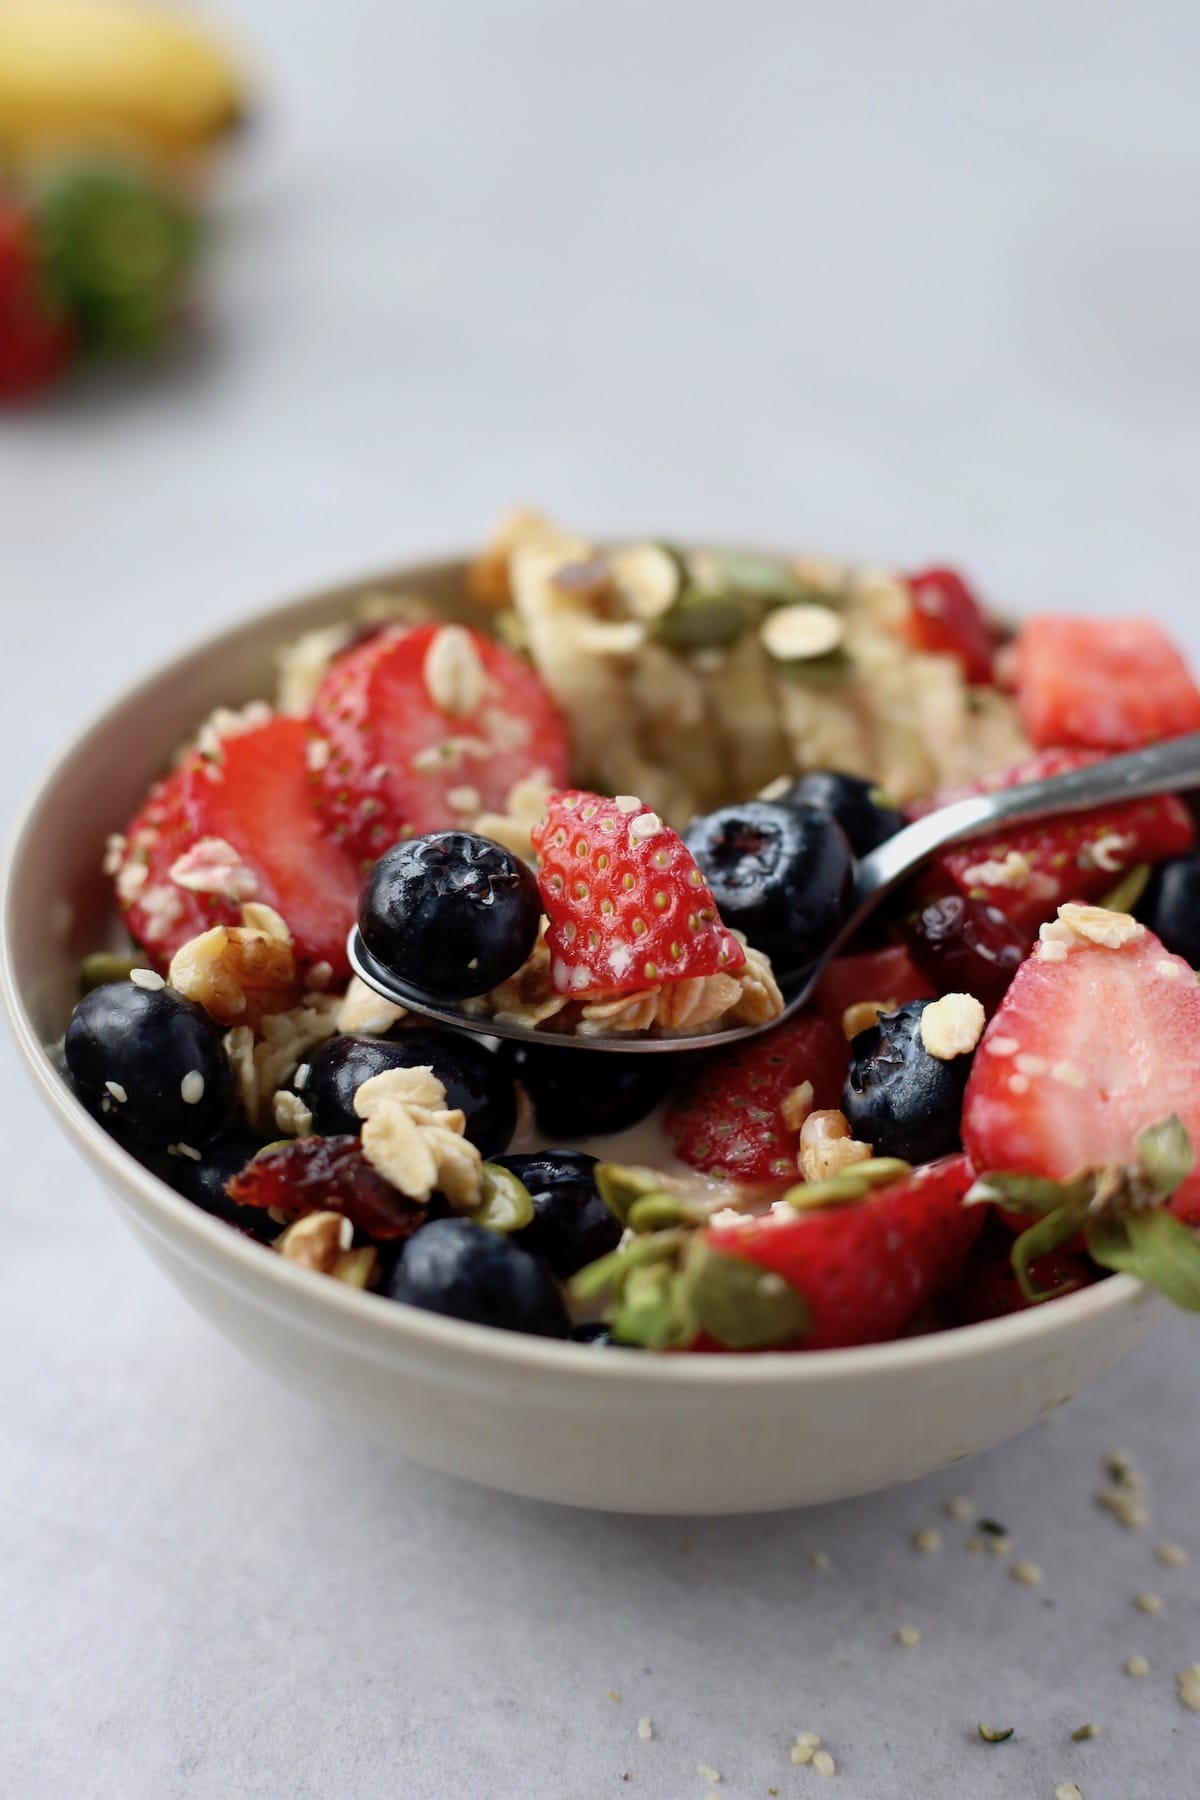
[[1162, 768]]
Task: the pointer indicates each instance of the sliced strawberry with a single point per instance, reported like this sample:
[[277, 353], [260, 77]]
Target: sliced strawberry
[[865, 1270], [627, 905], [256, 796], [729, 1120], [426, 728], [887, 974], [159, 914], [1089, 1047], [1109, 684], [1027, 873], [946, 619], [988, 1287]]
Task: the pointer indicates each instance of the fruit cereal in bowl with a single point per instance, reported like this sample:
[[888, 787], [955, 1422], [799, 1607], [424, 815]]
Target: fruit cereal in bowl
[[628, 798]]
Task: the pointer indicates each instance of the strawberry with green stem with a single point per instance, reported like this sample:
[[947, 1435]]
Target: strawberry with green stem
[[848, 1261]]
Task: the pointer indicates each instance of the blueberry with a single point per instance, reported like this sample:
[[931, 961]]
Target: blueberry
[[571, 1224], [456, 1267], [580, 1094], [1170, 906], [203, 1183], [782, 874], [451, 913], [900, 1099], [856, 805], [595, 1333], [475, 1079], [151, 1061]]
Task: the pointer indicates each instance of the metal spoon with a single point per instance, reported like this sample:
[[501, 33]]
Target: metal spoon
[[1163, 768]]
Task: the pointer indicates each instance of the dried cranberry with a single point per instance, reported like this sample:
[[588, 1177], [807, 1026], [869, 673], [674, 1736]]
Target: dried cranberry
[[327, 1174], [966, 946], [947, 619]]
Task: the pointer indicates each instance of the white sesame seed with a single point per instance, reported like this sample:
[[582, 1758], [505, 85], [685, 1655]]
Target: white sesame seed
[[823, 1763], [999, 1546], [1067, 1790], [802, 1753], [1168, 970], [1027, 1573], [707, 1771], [1137, 1666], [320, 975], [1002, 1046], [149, 979], [187, 1150], [645, 1730], [118, 1093], [1172, 1555], [1018, 1084], [960, 1508], [1068, 1074], [927, 1540], [909, 1636], [808, 1740], [191, 1088], [345, 1235], [1030, 1065], [818, 1559], [627, 803], [300, 1078], [1149, 1603]]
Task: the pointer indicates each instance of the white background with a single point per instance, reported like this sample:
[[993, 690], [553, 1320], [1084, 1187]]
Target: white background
[[913, 282]]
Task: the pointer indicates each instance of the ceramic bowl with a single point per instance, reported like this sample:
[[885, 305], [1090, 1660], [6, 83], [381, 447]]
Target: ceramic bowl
[[623, 1431]]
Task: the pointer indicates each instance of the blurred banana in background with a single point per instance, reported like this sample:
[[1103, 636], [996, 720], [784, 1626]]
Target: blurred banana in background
[[127, 75]]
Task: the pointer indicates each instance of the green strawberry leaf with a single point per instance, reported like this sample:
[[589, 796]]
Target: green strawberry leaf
[[739, 1304], [1165, 1153], [1050, 1233], [1027, 1193], [1156, 1247]]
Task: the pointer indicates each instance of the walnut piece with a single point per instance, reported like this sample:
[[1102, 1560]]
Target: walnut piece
[[239, 973], [826, 1146], [322, 1242], [416, 1142]]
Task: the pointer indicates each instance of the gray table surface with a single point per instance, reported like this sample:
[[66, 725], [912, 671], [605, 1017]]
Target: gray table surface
[[916, 281]]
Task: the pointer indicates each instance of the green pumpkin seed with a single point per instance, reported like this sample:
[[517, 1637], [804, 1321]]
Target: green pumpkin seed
[[700, 621], [1128, 891], [608, 1274], [740, 572], [505, 1203], [619, 1185], [659, 1212], [739, 1304], [105, 966]]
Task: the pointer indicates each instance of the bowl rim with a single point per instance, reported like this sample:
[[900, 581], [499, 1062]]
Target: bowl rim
[[334, 1301]]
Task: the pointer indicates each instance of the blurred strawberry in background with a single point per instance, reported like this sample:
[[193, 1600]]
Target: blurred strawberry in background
[[110, 114]]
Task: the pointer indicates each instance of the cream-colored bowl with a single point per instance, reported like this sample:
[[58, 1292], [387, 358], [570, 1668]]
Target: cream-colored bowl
[[623, 1431]]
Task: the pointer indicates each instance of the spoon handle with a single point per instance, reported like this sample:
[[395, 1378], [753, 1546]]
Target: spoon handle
[[1160, 769]]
